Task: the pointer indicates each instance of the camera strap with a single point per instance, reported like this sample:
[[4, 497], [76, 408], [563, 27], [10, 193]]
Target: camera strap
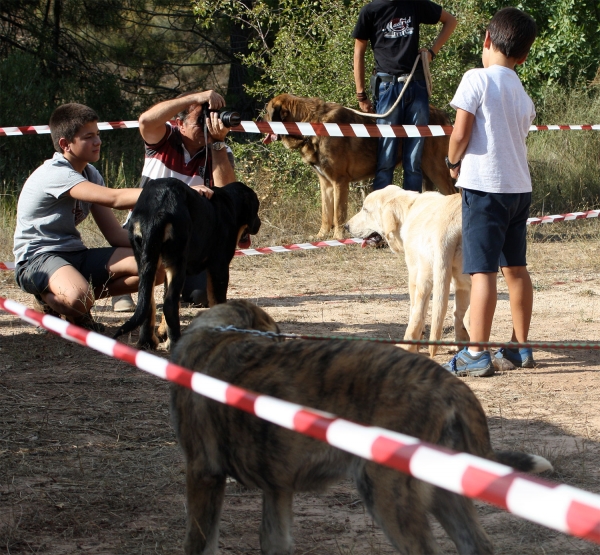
[[207, 157]]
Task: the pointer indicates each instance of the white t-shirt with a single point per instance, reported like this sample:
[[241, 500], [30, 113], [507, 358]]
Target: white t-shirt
[[47, 217], [496, 158]]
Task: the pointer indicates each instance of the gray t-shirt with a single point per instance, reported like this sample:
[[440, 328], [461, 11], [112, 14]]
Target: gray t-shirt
[[496, 158], [46, 215]]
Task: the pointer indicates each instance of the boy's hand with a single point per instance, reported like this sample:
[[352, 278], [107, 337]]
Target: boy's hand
[[455, 173], [203, 190]]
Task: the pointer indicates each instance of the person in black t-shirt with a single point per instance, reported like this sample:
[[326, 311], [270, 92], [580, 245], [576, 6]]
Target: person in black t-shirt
[[392, 28]]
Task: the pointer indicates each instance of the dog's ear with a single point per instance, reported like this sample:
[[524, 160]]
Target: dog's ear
[[279, 113], [391, 226]]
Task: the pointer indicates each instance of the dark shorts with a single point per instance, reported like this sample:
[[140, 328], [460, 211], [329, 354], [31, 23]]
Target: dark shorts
[[33, 275], [494, 229]]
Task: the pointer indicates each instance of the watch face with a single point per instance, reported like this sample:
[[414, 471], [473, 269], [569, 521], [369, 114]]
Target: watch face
[[220, 145]]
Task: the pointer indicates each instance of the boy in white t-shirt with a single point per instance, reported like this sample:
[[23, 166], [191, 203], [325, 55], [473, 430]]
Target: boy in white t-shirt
[[488, 155]]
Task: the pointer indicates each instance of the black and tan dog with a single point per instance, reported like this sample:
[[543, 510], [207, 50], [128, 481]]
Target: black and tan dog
[[174, 225], [370, 383], [339, 161]]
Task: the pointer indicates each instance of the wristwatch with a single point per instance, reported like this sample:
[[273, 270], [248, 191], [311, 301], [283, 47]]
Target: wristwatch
[[452, 166], [219, 145]]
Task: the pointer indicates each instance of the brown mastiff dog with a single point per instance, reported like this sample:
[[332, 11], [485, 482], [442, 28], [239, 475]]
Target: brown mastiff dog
[[366, 382], [339, 161]]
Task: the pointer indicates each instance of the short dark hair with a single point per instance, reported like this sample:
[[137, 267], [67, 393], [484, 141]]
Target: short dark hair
[[183, 115], [512, 32], [67, 119]]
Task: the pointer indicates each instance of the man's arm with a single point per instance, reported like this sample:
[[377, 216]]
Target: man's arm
[[360, 47], [459, 140], [448, 22], [152, 121], [110, 227], [121, 199], [222, 170]]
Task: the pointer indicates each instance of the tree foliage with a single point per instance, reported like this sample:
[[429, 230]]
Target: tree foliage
[[306, 47]]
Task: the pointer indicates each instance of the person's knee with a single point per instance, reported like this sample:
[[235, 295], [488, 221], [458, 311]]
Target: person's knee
[[515, 272]]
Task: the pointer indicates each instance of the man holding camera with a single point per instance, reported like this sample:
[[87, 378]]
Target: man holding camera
[[181, 151]]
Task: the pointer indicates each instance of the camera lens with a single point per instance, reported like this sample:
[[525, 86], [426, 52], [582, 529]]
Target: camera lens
[[230, 119]]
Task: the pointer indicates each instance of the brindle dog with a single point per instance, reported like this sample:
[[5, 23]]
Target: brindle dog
[[375, 384], [339, 161]]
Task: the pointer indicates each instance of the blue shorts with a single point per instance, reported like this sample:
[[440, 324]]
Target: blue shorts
[[34, 275], [494, 227]]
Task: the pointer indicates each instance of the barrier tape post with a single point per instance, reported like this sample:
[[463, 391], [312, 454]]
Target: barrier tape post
[[557, 506]]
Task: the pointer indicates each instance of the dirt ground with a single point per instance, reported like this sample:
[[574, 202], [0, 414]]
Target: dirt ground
[[89, 462]]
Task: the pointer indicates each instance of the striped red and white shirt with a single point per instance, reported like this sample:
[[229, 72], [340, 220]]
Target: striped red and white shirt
[[170, 158]]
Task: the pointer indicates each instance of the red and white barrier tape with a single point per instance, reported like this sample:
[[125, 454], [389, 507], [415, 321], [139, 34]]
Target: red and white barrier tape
[[299, 246], [557, 506], [309, 129]]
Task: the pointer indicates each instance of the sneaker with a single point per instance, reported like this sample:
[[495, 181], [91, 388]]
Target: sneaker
[[44, 308], [521, 358], [123, 303], [465, 364], [87, 322]]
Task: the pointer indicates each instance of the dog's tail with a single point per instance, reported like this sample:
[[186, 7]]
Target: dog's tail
[[146, 249], [467, 430], [523, 461]]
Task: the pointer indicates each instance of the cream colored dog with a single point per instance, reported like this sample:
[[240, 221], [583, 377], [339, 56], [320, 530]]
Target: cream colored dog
[[428, 227]]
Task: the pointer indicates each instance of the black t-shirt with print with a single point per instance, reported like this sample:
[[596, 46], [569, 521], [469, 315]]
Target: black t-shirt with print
[[392, 27]]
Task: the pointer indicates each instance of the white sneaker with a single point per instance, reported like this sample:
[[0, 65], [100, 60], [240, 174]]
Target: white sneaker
[[123, 303]]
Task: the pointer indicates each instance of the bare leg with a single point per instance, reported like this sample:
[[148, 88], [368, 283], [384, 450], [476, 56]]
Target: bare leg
[[520, 291], [69, 293], [275, 528], [483, 305], [462, 291]]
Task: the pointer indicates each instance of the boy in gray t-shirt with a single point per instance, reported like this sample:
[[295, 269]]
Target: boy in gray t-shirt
[[488, 155], [52, 263]]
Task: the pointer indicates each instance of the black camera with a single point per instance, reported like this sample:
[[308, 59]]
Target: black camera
[[228, 117]]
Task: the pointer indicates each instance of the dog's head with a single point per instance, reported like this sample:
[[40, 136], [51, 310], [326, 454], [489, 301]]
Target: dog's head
[[246, 205], [379, 219], [239, 313], [288, 107]]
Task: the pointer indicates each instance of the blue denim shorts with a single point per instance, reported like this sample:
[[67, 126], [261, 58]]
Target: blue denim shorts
[[34, 275], [494, 229]]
